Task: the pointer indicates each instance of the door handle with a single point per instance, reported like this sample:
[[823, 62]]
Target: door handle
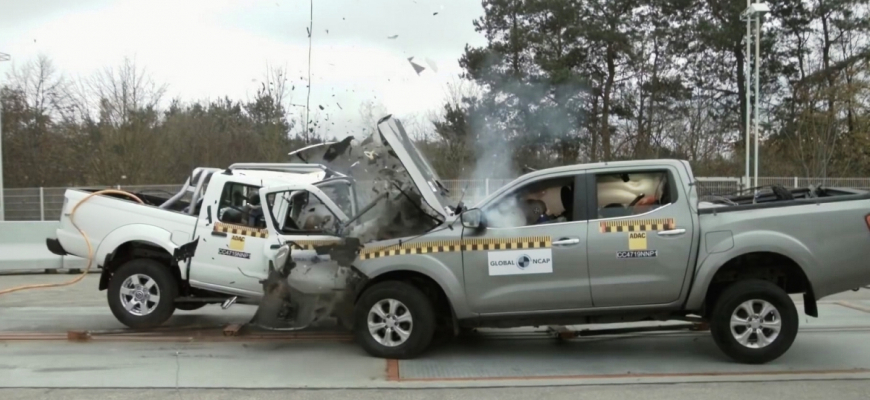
[[221, 234], [566, 242], [275, 247], [672, 232]]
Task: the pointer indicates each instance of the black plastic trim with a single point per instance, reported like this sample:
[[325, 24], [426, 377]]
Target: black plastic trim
[[54, 247]]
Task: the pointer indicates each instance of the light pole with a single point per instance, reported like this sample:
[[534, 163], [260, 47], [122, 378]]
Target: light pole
[[3, 57], [753, 13]]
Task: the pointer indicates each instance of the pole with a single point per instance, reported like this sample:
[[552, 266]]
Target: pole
[[3, 57], [41, 204], [747, 75], [2, 199], [757, 87]]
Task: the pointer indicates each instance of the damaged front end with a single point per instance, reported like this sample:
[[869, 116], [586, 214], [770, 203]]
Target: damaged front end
[[403, 198], [295, 296]]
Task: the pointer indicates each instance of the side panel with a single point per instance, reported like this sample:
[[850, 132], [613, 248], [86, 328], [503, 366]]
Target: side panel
[[640, 259], [228, 255], [101, 217], [137, 233], [445, 268], [495, 288], [829, 241]]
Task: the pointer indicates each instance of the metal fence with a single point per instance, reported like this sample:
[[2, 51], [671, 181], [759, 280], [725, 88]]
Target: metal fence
[[44, 204]]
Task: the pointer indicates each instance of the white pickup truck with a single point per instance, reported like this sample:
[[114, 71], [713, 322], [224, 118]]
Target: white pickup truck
[[218, 216]]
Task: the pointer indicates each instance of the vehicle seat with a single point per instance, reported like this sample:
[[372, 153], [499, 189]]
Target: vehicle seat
[[568, 202]]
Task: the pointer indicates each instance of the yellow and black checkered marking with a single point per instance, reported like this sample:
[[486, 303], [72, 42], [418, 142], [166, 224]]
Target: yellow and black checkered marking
[[309, 244], [637, 225], [445, 246], [241, 230]]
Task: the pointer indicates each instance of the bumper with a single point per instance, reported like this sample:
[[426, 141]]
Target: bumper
[[55, 247]]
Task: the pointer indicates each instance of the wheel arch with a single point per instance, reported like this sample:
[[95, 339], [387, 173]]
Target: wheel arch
[[136, 241], [759, 246], [777, 268], [425, 283]]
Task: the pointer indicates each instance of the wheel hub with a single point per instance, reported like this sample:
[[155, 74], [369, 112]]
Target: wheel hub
[[390, 322], [140, 294], [756, 324]]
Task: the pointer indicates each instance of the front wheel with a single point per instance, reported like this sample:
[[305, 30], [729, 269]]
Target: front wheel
[[754, 322], [142, 293], [394, 320]]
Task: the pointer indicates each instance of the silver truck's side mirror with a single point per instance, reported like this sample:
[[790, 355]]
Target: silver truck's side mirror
[[472, 219]]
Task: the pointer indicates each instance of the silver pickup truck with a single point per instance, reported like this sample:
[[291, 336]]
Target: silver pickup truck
[[595, 243]]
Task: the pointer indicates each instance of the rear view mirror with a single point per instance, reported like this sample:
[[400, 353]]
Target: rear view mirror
[[281, 256], [472, 219]]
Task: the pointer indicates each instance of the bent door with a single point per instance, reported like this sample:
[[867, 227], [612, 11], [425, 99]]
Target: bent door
[[531, 254]]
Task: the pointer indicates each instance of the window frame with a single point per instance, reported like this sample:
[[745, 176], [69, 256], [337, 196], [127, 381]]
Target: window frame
[[226, 192], [592, 189], [581, 212], [272, 223]]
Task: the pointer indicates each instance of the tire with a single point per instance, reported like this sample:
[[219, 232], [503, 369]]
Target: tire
[[189, 306], [735, 301], [128, 310], [409, 300]]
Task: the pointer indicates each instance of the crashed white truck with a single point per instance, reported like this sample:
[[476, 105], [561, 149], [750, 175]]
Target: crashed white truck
[[582, 244]]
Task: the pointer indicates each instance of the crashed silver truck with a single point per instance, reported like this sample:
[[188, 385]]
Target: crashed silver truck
[[593, 243]]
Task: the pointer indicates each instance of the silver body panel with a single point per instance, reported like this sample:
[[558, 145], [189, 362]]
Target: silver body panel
[[830, 241]]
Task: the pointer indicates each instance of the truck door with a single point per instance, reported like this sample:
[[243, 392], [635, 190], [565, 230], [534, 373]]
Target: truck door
[[304, 215], [529, 254], [640, 241], [232, 232]]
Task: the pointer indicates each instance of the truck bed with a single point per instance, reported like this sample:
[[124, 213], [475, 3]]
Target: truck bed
[[826, 234], [105, 214]]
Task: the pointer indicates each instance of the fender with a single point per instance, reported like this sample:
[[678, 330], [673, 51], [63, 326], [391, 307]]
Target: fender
[[745, 243], [425, 265], [137, 233]]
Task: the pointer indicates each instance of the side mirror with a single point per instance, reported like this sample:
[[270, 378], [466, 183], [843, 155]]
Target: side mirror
[[472, 219], [281, 256]]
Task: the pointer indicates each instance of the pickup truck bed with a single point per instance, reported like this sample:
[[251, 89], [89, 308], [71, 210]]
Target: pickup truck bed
[[122, 220]]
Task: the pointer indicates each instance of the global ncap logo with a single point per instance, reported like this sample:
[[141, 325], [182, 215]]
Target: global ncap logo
[[524, 261]]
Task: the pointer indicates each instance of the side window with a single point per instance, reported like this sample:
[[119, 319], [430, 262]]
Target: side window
[[540, 202], [300, 211], [240, 205], [621, 194]]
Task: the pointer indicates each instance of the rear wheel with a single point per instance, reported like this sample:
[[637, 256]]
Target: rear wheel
[[754, 322], [142, 293], [394, 320]]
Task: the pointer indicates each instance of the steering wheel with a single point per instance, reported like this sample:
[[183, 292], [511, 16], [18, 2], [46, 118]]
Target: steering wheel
[[636, 199]]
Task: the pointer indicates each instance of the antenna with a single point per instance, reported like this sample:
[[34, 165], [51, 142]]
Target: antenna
[[308, 100]]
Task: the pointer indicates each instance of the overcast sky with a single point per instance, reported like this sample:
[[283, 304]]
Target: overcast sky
[[213, 48]]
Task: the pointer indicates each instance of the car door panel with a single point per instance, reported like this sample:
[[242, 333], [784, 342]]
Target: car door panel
[[640, 259], [527, 268]]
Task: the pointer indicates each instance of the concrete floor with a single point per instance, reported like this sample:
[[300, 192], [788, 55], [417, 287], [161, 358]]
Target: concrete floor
[[830, 352], [812, 390]]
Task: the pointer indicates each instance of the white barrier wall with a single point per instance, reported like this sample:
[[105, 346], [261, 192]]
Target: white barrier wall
[[22, 248]]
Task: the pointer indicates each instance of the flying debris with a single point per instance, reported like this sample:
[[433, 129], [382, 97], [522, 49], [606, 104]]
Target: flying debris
[[435, 13], [432, 64], [417, 68], [308, 31], [392, 37], [321, 107]]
